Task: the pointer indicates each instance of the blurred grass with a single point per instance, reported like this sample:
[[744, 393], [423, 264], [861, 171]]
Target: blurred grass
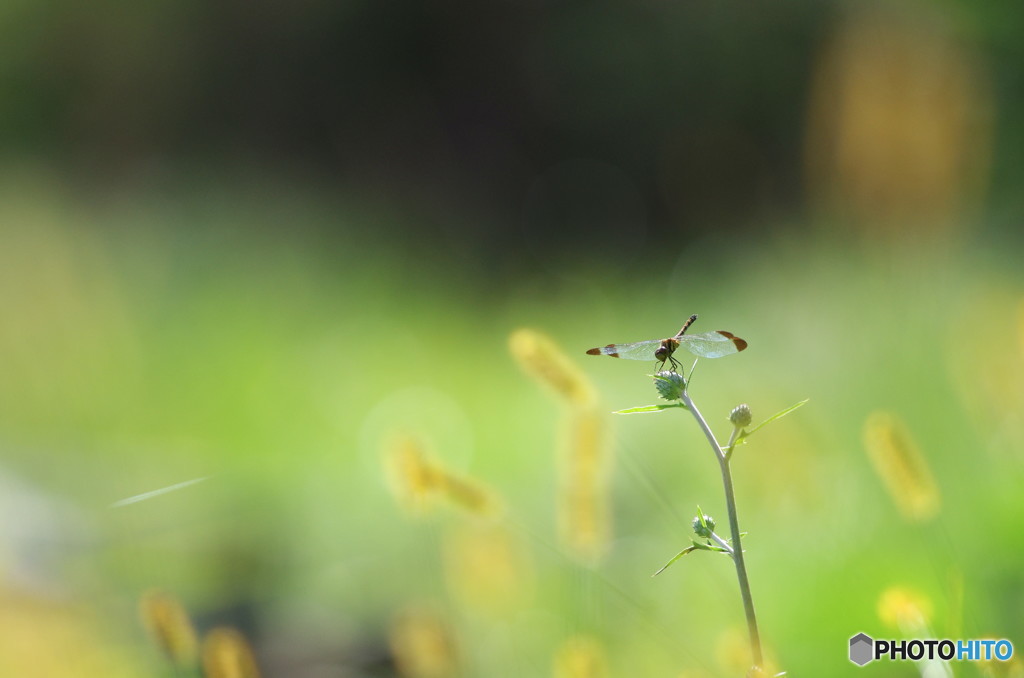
[[161, 338]]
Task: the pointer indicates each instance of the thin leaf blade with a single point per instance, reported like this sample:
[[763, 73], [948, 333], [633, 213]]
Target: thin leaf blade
[[688, 549], [778, 415]]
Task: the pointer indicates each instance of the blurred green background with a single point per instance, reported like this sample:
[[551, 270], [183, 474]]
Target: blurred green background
[[250, 243]]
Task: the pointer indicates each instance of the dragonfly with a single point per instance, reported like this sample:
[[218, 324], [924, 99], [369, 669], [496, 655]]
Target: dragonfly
[[707, 345]]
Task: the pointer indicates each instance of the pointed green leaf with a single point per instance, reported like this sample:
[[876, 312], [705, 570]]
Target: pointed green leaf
[[702, 518], [692, 368], [679, 555], [708, 546], [777, 415], [648, 408]]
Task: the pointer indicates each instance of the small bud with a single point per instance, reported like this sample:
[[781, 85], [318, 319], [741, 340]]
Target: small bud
[[740, 416], [670, 385], [699, 528]]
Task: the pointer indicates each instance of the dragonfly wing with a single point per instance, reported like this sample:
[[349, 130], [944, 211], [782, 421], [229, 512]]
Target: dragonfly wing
[[712, 344], [641, 350]]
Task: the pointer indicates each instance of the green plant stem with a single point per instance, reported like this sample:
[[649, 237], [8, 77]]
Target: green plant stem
[[721, 542], [734, 527], [732, 443]]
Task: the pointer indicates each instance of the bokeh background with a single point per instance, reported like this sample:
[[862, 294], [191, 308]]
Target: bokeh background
[[279, 249]]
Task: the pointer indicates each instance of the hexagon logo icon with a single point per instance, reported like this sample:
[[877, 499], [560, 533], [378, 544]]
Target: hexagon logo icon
[[861, 649]]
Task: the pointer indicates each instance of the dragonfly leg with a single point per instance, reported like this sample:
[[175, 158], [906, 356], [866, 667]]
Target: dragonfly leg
[[673, 364]]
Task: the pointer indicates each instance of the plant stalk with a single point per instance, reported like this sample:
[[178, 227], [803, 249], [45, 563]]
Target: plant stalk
[[734, 528]]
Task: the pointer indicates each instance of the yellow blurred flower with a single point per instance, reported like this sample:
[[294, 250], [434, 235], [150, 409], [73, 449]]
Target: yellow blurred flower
[[417, 480], [899, 131], [546, 363], [423, 644], [585, 523], [469, 494], [488, 568], [901, 466], [413, 477], [168, 623], [226, 654], [906, 610], [580, 657], [584, 514]]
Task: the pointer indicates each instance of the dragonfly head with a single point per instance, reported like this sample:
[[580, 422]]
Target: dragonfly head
[[665, 350]]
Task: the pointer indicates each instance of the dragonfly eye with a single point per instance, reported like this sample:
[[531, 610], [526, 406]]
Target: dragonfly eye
[[661, 354]]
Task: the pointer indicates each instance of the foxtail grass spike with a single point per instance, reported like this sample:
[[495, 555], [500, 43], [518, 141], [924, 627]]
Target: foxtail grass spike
[[170, 627], [901, 466], [423, 645], [544, 361], [469, 494], [227, 654], [414, 478], [585, 523]]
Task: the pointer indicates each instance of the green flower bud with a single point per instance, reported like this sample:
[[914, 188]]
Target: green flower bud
[[699, 528], [670, 385], [740, 416]]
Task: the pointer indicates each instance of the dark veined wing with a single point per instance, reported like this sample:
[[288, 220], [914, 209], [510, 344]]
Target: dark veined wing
[[641, 350], [712, 344]]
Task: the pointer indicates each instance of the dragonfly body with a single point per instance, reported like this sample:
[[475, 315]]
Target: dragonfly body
[[707, 345]]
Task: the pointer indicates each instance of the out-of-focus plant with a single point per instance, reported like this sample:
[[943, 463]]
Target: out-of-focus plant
[[902, 467], [584, 512], [227, 654]]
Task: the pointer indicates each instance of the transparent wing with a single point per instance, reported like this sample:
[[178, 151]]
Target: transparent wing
[[712, 344], [641, 350]]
